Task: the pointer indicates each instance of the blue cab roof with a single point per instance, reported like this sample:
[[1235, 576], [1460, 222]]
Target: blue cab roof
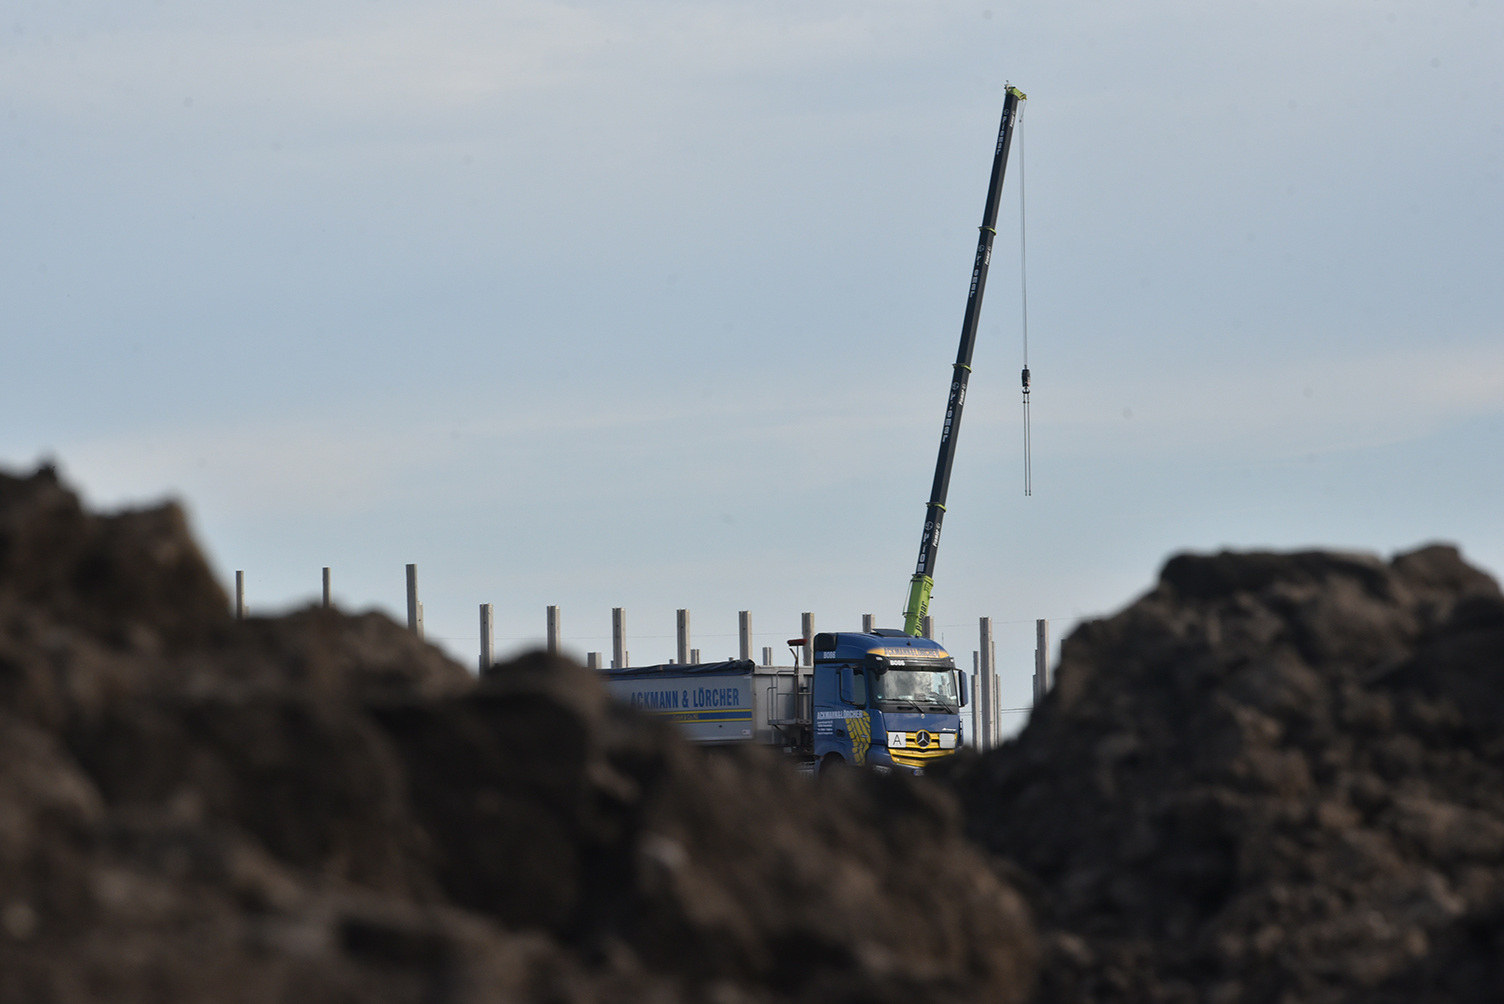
[[848, 646]]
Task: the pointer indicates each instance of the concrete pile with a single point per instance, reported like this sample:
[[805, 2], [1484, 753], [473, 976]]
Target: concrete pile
[[1275, 777], [321, 808]]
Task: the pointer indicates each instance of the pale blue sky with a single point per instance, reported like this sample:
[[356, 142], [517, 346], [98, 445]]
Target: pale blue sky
[[653, 304]]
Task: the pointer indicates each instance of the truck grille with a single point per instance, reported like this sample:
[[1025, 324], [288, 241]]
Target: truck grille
[[911, 754]]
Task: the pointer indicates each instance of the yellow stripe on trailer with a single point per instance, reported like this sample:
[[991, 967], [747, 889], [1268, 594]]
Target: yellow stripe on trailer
[[701, 716]]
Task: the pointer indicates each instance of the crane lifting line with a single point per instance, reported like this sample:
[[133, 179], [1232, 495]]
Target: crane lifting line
[[1023, 270]]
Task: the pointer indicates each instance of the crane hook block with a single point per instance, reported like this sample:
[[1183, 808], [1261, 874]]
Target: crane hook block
[[1026, 379]]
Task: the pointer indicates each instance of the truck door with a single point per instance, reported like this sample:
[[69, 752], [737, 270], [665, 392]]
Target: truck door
[[842, 723]]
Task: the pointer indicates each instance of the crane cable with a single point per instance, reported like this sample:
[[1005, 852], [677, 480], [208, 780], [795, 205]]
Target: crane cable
[[1023, 268]]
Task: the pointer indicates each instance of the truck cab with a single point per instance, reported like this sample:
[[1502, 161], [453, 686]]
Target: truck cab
[[885, 700]]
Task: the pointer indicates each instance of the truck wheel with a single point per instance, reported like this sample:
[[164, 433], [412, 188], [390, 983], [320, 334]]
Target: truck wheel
[[833, 764]]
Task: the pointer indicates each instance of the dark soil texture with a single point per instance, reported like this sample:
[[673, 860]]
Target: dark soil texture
[[1275, 777], [321, 808]]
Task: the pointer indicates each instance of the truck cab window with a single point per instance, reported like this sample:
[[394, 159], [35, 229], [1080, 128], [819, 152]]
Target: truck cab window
[[918, 686], [852, 686]]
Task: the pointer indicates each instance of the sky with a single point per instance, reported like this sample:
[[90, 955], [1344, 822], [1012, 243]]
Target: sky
[[652, 304]]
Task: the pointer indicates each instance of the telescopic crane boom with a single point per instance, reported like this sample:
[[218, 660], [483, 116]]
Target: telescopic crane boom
[[924, 581]]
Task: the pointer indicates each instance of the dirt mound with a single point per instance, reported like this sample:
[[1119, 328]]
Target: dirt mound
[[321, 808], [1276, 777]]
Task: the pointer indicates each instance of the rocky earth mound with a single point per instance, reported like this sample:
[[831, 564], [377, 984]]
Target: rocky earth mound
[[320, 808], [1273, 778]]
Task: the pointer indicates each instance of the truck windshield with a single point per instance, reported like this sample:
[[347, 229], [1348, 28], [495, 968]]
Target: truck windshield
[[917, 686]]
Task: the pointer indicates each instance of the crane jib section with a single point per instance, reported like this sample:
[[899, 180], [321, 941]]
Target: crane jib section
[[924, 569]]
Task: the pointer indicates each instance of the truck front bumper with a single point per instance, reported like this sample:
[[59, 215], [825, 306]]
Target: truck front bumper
[[884, 761], [909, 760]]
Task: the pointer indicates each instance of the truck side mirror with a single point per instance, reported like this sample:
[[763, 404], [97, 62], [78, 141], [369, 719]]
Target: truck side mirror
[[964, 697]]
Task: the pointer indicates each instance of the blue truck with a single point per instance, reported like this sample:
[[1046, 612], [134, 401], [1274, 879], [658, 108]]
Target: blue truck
[[885, 700]]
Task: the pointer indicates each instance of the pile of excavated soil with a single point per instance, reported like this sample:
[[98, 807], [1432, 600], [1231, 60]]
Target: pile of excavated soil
[[1275, 777], [320, 808]]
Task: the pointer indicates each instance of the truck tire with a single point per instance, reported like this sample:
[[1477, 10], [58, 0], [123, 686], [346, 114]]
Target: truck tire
[[833, 763]]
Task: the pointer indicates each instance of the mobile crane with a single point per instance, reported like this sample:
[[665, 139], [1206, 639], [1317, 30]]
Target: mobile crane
[[886, 699]]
